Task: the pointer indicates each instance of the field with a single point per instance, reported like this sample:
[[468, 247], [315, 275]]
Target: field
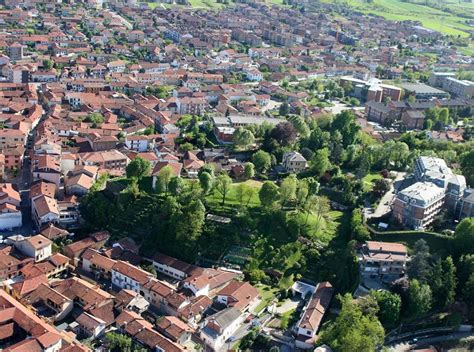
[[431, 18]]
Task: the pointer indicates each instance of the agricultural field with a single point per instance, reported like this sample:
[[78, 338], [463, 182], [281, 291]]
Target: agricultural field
[[430, 17]]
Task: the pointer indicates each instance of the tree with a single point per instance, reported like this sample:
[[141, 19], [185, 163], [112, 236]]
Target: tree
[[288, 188], [468, 295], [284, 133], [95, 118], [223, 185], [262, 161], [47, 64], [164, 178], [176, 185], [464, 237], [118, 342], [138, 168], [268, 194], [243, 137], [443, 282], [464, 270], [381, 187], [320, 162], [345, 122], [245, 194], [359, 230], [206, 182], [420, 298], [419, 266], [467, 166], [300, 125], [352, 330], [249, 170], [284, 109], [389, 306]]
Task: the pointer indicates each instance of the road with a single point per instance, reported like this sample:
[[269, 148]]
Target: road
[[409, 345]]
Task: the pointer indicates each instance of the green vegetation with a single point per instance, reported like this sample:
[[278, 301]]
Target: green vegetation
[[431, 18]]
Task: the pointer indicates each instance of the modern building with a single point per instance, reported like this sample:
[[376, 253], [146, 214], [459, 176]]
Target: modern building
[[423, 91]]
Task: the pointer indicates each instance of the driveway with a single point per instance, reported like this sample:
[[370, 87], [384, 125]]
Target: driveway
[[385, 203]]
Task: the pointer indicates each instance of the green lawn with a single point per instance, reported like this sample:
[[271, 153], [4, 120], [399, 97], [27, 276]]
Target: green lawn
[[431, 18], [369, 180], [232, 198], [267, 293]]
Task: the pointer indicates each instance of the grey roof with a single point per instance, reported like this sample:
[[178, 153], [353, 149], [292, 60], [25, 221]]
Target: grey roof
[[253, 120], [421, 88], [421, 194], [226, 317]]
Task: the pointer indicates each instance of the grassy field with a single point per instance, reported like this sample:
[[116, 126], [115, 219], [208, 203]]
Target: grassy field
[[232, 198], [431, 18], [267, 293], [369, 180]]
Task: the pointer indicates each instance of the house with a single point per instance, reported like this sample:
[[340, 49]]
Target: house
[[10, 213], [19, 321], [96, 241], [130, 300], [130, 277], [44, 210], [97, 264], [385, 260], [37, 247], [239, 294], [192, 164], [89, 326], [139, 143], [294, 162], [78, 185], [47, 168], [174, 329], [206, 281], [413, 119], [219, 327], [313, 314], [173, 267], [45, 295]]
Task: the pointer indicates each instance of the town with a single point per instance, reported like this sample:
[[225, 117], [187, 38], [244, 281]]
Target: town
[[243, 176]]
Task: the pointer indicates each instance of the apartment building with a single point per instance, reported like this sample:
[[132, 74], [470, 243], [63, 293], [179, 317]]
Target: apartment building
[[416, 206], [436, 188], [385, 260]]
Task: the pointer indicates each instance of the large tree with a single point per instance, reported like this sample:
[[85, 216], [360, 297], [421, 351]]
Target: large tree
[[345, 122], [223, 185], [206, 180], [262, 161], [320, 162], [268, 194], [464, 237], [420, 298], [352, 330], [389, 306], [284, 133], [419, 266], [443, 282], [243, 137], [138, 168]]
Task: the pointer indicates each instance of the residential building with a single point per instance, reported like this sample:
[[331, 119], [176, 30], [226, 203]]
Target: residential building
[[130, 277], [219, 327], [384, 260], [294, 162], [312, 316], [417, 205]]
